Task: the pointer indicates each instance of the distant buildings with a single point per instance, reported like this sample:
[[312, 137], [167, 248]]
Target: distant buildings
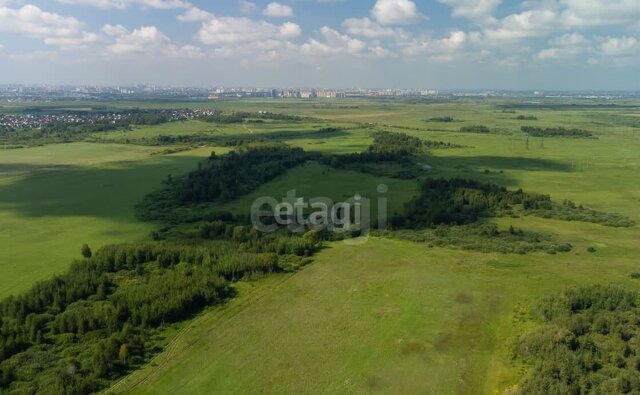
[[14, 93]]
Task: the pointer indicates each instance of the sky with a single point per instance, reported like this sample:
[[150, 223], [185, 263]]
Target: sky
[[439, 44]]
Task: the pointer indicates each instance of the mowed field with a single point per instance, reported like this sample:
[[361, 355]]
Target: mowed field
[[55, 198], [382, 316]]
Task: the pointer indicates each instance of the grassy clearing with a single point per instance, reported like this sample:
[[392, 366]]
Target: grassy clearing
[[55, 198], [386, 316], [315, 180]]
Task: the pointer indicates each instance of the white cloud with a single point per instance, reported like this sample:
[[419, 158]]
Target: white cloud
[[277, 10], [476, 10], [568, 39], [229, 31], [139, 40], [455, 40], [527, 24], [334, 42], [122, 4], [195, 14], [565, 47], [247, 7], [146, 40], [620, 46], [114, 30], [53, 29], [396, 12], [590, 13], [545, 17], [456, 45], [549, 53], [367, 28]]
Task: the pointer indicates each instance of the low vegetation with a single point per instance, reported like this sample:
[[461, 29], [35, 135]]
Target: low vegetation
[[484, 237]]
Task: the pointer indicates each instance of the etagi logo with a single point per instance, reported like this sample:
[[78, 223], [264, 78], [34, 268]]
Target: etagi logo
[[319, 213]]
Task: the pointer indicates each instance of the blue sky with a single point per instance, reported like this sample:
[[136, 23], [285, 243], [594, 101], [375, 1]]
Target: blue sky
[[508, 44]]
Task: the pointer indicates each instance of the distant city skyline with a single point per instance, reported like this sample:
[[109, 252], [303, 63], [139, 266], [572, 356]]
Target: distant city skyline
[[438, 44]]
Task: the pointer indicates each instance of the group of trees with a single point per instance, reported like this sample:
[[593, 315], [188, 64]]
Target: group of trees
[[459, 201], [397, 143], [589, 343], [237, 173], [242, 116], [106, 309], [386, 147], [441, 119], [483, 236], [475, 129], [222, 178], [556, 132], [570, 211], [436, 144]]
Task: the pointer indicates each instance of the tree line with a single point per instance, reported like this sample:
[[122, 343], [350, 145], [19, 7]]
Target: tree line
[[556, 132]]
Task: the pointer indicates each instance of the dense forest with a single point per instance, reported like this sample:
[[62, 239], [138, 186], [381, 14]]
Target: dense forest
[[588, 344]]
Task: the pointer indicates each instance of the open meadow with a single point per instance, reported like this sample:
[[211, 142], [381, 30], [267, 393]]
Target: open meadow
[[55, 198], [367, 315]]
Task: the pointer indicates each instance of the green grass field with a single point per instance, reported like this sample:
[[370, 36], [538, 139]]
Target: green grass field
[[313, 180], [385, 316], [55, 198]]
